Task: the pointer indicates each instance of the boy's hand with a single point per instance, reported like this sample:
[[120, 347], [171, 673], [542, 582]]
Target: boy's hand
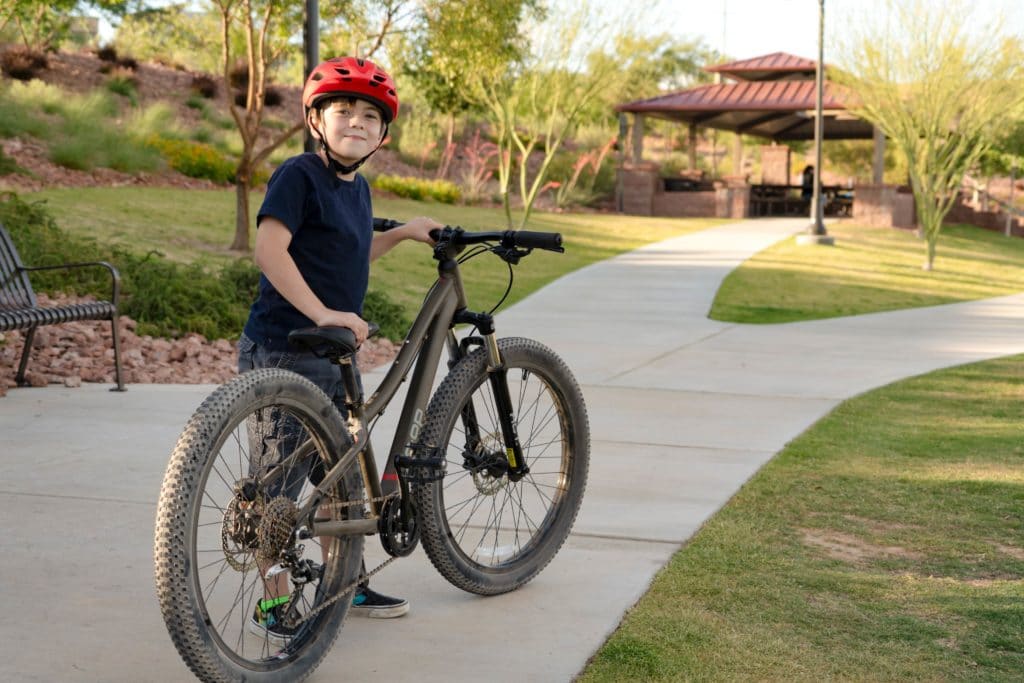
[[332, 318], [419, 229]]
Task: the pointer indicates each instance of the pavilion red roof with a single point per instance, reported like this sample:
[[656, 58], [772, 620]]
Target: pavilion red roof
[[743, 96], [776, 66], [776, 109]]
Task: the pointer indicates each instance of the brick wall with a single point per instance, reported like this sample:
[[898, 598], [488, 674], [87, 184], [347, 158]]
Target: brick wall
[[643, 194], [685, 204], [639, 182], [883, 205], [989, 220], [775, 165]]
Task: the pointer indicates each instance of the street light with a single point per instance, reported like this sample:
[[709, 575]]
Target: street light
[[311, 52], [816, 233]]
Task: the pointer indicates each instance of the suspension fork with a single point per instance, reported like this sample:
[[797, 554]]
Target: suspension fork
[[497, 375]]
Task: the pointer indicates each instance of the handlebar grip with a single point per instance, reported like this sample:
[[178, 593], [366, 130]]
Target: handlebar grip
[[551, 241], [384, 224]]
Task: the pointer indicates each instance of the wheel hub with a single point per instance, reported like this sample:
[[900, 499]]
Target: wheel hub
[[488, 469]]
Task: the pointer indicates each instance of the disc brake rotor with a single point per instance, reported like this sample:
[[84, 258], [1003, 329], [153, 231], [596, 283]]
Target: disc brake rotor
[[237, 535]]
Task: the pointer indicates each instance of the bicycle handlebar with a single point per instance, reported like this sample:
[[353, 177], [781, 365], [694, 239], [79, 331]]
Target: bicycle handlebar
[[524, 239]]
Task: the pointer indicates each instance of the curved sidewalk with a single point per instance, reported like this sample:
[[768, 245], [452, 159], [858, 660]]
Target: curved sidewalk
[[683, 410]]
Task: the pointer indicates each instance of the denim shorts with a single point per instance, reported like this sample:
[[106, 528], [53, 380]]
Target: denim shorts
[[274, 443]]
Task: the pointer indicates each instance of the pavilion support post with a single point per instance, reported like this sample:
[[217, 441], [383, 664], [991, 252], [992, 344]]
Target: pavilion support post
[[878, 160], [620, 152], [638, 138], [691, 146], [737, 155]]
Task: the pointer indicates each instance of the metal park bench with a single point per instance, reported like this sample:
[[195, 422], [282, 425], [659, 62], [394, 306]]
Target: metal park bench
[[19, 309]]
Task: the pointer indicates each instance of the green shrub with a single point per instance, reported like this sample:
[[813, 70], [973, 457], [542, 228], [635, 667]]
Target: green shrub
[[164, 297], [22, 63], [42, 243], [195, 159], [203, 86], [125, 86], [8, 165], [415, 188], [107, 53], [387, 314]]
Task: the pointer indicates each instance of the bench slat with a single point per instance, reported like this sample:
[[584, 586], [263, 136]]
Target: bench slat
[[20, 310], [15, 287], [30, 317]]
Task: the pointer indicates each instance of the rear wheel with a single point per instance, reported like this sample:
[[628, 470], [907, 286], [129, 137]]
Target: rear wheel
[[487, 532], [219, 528]]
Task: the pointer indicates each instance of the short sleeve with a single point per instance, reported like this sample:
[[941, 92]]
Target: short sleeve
[[287, 192]]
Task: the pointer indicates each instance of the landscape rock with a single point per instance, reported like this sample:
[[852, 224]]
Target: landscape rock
[[83, 352]]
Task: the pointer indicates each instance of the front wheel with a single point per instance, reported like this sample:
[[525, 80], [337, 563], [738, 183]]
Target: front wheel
[[223, 524], [487, 531]]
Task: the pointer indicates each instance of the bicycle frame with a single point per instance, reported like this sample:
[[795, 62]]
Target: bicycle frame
[[430, 332]]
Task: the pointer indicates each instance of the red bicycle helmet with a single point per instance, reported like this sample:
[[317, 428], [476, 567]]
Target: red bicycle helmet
[[348, 76]]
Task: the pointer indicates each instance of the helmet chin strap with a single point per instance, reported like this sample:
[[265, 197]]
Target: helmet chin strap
[[337, 166]]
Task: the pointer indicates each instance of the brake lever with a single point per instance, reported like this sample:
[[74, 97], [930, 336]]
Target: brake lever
[[511, 255]]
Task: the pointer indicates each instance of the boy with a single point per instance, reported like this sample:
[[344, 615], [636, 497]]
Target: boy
[[314, 244]]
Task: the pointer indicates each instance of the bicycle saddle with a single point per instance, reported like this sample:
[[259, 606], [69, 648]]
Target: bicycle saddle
[[328, 342]]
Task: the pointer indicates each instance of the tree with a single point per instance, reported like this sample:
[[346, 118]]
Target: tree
[[44, 25], [360, 27], [535, 105], [268, 28], [650, 66], [458, 43], [263, 23], [172, 33], [940, 92]]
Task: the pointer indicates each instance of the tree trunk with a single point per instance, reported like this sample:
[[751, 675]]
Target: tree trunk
[[241, 242], [930, 260], [449, 148]]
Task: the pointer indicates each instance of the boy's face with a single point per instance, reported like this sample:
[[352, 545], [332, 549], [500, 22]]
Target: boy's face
[[353, 127]]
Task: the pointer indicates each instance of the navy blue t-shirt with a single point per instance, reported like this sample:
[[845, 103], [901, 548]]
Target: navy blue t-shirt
[[331, 221]]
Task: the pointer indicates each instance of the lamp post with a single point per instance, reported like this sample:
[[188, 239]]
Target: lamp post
[[816, 233], [310, 52]]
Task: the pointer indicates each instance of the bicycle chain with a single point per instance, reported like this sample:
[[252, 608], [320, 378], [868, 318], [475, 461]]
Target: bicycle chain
[[344, 590]]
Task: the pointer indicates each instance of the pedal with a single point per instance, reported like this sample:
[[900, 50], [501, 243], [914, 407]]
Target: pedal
[[426, 465]]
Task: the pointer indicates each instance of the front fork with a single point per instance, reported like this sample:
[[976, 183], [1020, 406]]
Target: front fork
[[497, 375]]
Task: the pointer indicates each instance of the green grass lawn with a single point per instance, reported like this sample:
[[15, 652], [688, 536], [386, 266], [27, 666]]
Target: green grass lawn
[[189, 224], [869, 270], [885, 543]]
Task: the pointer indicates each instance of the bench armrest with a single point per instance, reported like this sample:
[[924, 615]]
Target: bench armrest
[[115, 277]]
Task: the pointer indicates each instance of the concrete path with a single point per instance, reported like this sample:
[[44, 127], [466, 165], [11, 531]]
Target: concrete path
[[683, 410]]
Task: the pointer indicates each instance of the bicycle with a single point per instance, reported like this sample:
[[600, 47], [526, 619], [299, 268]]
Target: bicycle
[[488, 474]]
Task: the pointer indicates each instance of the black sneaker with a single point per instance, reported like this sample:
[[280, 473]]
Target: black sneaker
[[370, 603], [266, 621]]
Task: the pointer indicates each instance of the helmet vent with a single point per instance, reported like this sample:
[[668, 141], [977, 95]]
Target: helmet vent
[[343, 72], [318, 76]]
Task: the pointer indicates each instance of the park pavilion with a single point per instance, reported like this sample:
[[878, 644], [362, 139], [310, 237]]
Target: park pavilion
[[771, 97]]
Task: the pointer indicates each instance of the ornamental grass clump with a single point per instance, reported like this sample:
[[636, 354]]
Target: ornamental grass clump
[[194, 159], [415, 188]]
